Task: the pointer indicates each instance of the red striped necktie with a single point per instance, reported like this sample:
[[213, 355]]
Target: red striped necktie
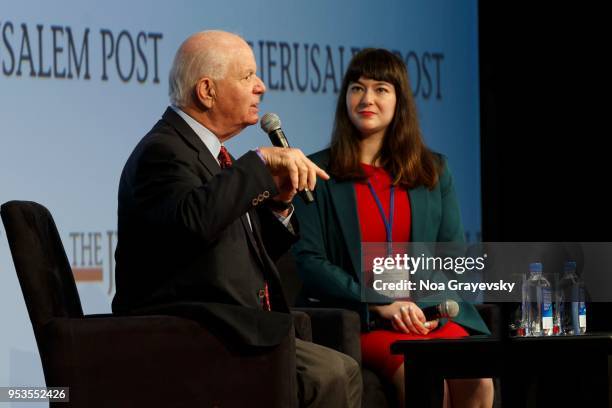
[[224, 158]]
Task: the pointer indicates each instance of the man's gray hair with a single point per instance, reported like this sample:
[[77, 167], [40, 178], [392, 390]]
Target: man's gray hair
[[191, 65]]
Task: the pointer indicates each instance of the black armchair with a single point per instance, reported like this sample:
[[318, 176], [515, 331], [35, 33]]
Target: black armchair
[[110, 361]]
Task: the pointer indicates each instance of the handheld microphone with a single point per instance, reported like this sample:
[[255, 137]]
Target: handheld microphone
[[271, 124], [447, 309]]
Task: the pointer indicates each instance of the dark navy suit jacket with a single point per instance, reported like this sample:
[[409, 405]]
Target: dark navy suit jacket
[[185, 246]]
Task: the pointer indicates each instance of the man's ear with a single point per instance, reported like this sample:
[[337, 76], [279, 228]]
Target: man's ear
[[205, 92]]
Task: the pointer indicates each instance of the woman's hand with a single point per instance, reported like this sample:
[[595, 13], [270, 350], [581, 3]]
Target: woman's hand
[[405, 317]]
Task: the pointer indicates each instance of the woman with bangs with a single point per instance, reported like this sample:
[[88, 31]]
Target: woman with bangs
[[386, 186]]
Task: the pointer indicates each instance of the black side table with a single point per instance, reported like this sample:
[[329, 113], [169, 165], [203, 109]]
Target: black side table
[[516, 361], [558, 371], [428, 362]]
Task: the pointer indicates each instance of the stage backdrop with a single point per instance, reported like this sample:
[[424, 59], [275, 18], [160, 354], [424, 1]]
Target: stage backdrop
[[82, 81]]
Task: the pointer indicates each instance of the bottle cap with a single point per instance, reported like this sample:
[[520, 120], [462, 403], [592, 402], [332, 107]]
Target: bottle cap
[[570, 266], [535, 267]]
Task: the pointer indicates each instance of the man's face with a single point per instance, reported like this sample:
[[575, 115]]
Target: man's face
[[236, 104]]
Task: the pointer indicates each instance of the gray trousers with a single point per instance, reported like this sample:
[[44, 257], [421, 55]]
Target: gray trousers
[[327, 378]]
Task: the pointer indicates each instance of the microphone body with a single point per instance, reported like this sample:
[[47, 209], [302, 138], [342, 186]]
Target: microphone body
[[447, 309], [270, 123]]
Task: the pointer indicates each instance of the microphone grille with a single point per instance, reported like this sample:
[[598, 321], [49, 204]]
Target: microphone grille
[[270, 122], [452, 308]]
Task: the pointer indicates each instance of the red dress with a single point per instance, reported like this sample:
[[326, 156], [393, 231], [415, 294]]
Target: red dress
[[376, 344]]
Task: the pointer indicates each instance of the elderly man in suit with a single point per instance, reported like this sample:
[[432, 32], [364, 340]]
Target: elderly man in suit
[[200, 229]]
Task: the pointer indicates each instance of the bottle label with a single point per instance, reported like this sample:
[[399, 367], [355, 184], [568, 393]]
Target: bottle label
[[547, 310]]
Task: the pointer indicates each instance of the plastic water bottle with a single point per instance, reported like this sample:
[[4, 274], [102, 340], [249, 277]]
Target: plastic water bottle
[[581, 307], [572, 301], [539, 302], [568, 300], [558, 304], [523, 325]]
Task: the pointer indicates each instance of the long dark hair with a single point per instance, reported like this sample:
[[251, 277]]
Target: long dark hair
[[403, 153]]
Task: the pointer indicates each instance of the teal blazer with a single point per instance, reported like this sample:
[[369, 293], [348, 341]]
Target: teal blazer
[[328, 255]]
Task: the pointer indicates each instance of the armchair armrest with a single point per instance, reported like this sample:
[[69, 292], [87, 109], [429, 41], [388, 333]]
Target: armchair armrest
[[303, 327], [339, 329], [162, 361]]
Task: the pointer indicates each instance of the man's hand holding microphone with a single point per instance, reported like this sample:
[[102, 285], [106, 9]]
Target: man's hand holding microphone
[[293, 172]]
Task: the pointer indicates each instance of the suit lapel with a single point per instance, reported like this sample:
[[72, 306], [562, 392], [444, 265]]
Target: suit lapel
[[190, 137], [343, 197], [419, 209]]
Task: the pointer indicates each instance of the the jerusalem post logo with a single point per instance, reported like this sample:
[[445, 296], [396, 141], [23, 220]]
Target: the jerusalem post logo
[[93, 257]]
